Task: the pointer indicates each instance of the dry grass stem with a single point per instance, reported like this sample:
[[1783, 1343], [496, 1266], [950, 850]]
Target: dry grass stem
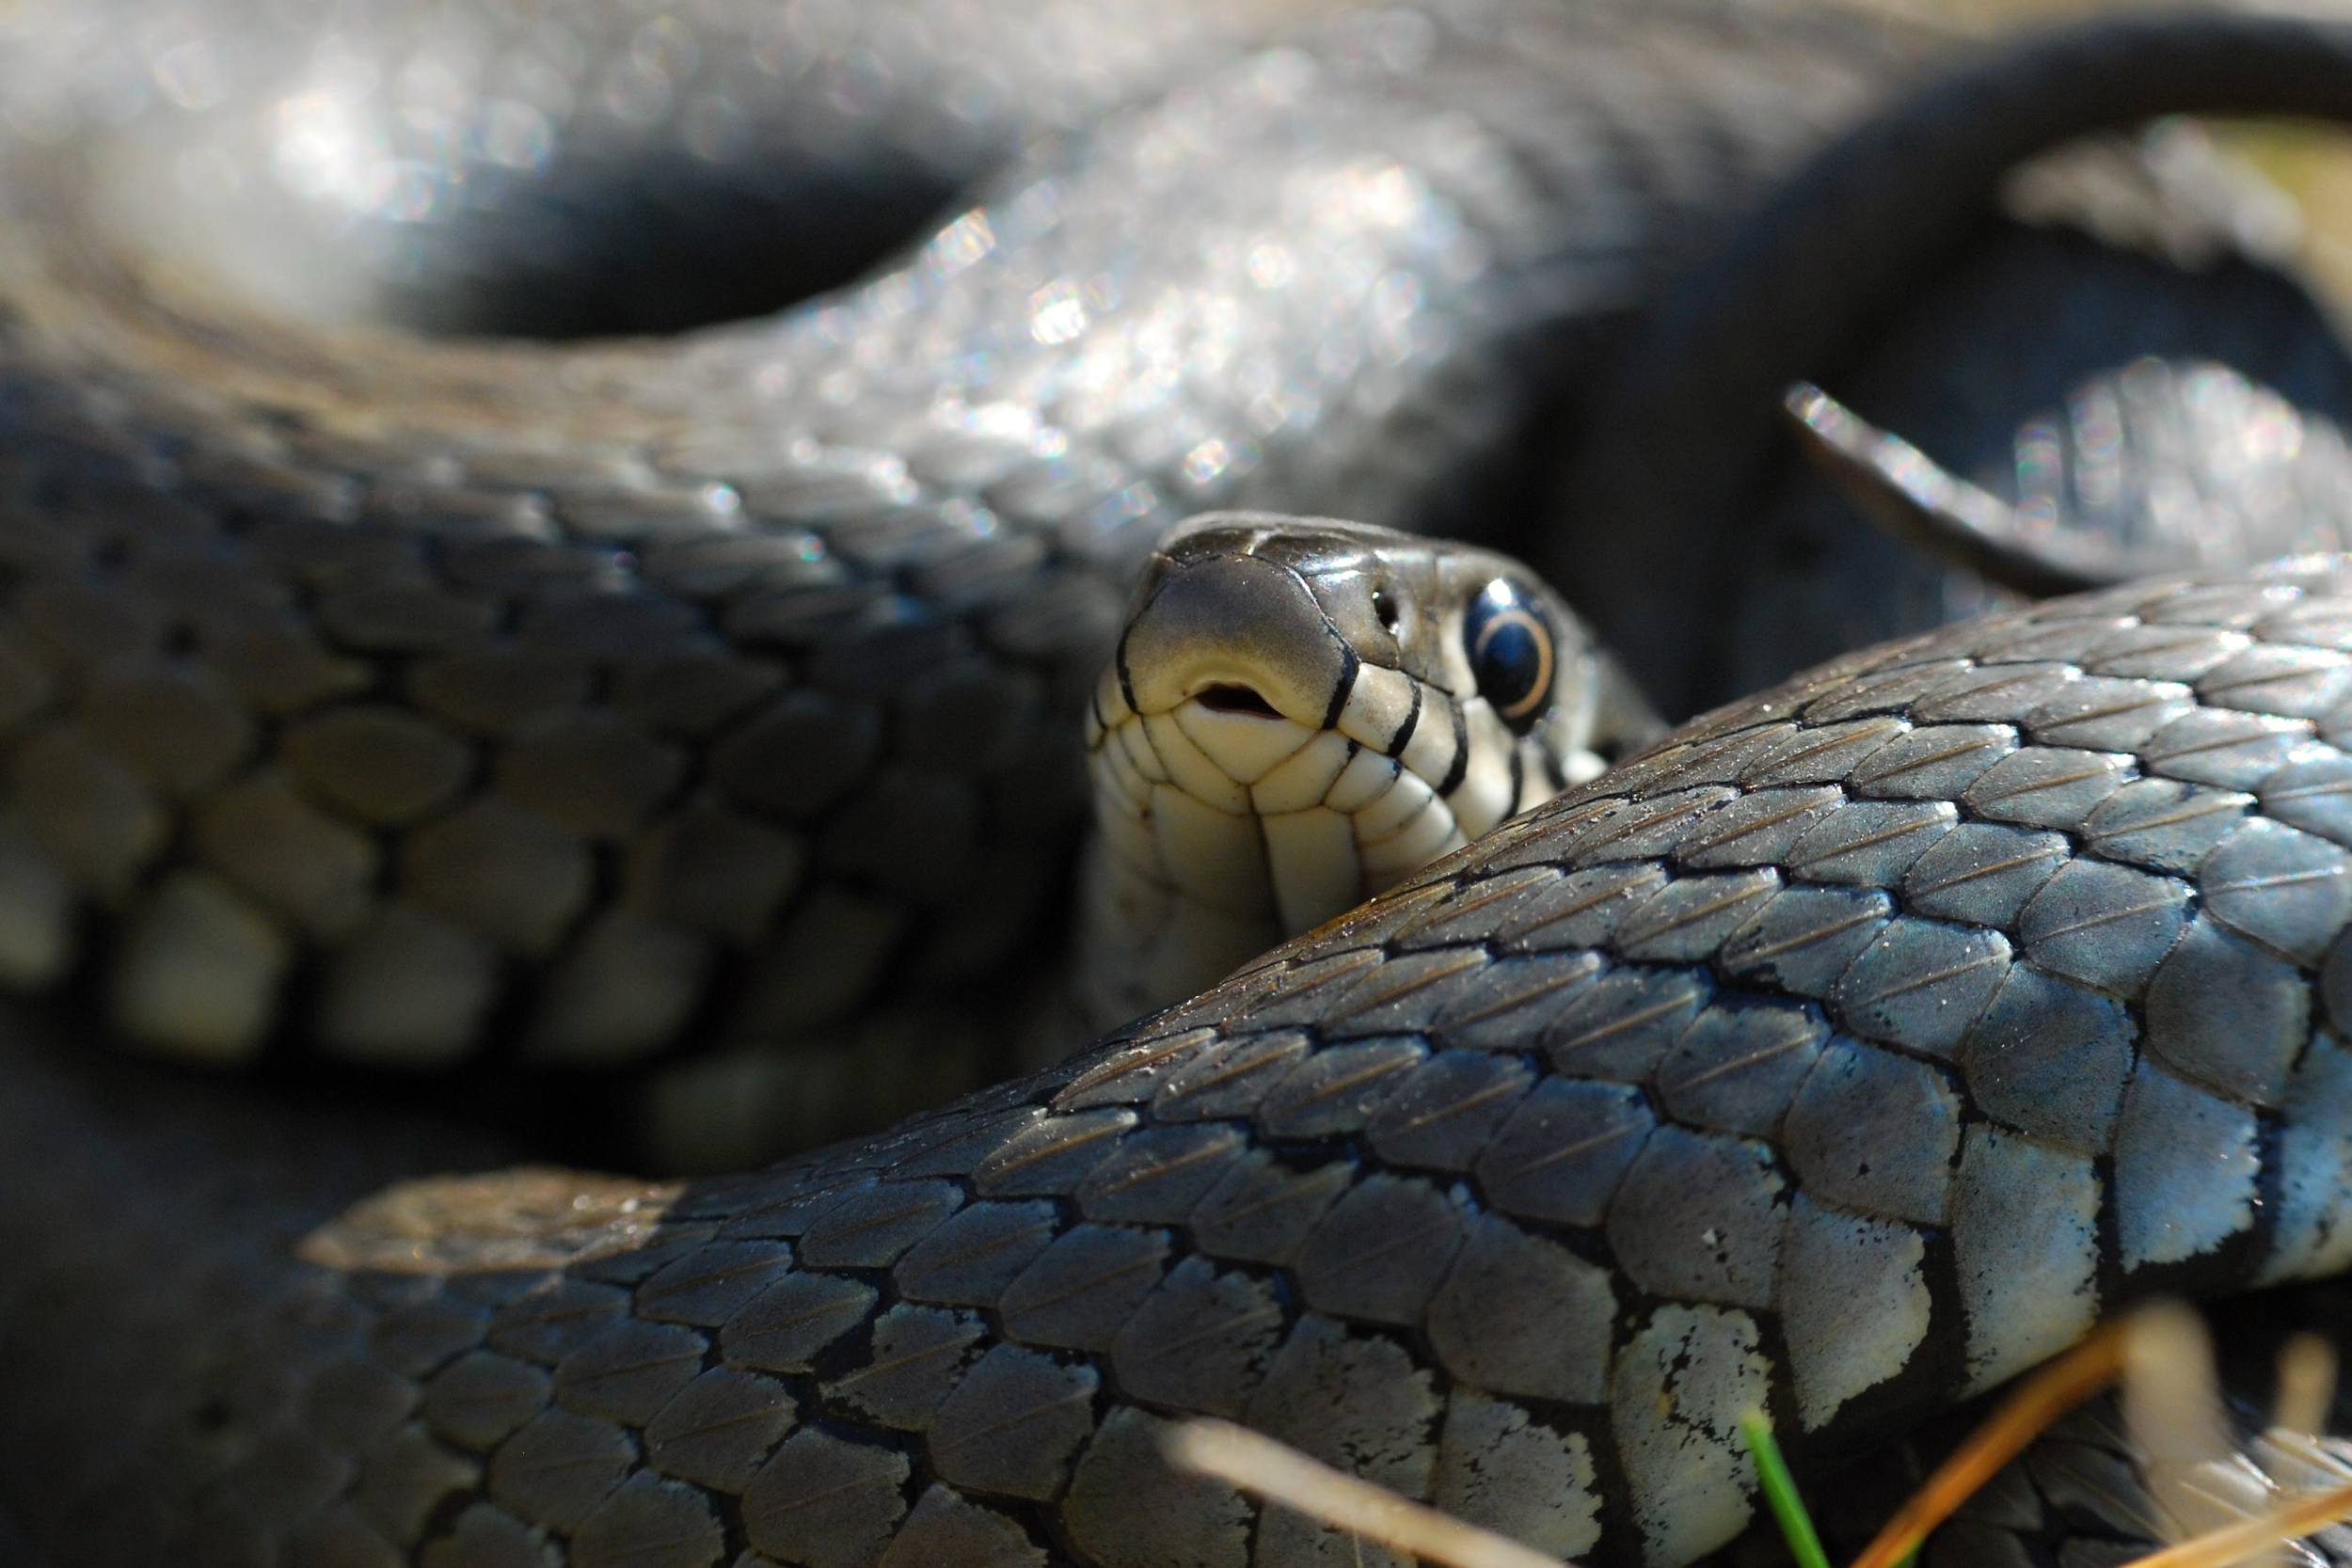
[[2050, 1393], [1281, 1474], [2172, 1407], [2172, 1411], [2240, 1540], [2307, 1385]]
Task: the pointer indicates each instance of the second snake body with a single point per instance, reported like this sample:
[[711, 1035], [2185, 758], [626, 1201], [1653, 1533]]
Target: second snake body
[[1852, 1048]]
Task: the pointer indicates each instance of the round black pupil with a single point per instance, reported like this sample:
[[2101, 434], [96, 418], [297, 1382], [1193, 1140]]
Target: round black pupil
[[1509, 662], [1510, 650]]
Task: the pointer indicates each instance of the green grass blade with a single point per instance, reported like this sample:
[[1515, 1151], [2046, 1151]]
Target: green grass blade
[[1780, 1493]]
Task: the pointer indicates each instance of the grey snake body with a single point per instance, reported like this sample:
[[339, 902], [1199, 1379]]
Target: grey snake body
[[769, 631], [391, 698]]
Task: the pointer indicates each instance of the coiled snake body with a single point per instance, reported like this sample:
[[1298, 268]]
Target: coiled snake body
[[770, 632], [398, 701]]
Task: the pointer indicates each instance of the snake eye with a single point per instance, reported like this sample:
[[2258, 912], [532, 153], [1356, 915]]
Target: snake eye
[[1510, 651]]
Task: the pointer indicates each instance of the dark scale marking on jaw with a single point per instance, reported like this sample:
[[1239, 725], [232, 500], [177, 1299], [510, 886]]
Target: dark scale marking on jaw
[[1404, 731], [1351, 662], [1126, 681], [1461, 751]]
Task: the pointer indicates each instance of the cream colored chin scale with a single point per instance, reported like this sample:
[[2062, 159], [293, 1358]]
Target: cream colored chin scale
[[1302, 712]]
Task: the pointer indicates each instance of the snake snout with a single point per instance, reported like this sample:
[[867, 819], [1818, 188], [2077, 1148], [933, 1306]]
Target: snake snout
[[1236, 635]]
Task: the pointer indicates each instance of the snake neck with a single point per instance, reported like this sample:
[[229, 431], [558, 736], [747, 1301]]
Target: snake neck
[[1205, 856]]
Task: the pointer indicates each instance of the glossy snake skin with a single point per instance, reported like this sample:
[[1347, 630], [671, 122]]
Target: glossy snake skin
[[408, 703], [1852, 1048], [413, 703]]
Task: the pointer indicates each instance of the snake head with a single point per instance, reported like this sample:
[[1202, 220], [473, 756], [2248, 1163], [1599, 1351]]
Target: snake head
[[1301, 712]]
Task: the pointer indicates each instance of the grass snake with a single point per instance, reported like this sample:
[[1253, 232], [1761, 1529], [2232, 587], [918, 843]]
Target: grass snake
[[383, 700]]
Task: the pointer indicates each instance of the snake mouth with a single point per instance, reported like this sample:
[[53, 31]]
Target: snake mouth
[[1229, 697]]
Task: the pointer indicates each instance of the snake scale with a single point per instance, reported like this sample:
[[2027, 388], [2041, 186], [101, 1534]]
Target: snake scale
[[416, 703]]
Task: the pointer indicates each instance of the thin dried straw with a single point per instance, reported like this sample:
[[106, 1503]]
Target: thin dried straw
[[2241, 1540], [2307, 1368], [1281, 1474], [2172, 1411], [2307, 1385]]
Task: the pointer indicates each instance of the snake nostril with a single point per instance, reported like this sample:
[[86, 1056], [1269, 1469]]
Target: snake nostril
[[1224, 698]]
